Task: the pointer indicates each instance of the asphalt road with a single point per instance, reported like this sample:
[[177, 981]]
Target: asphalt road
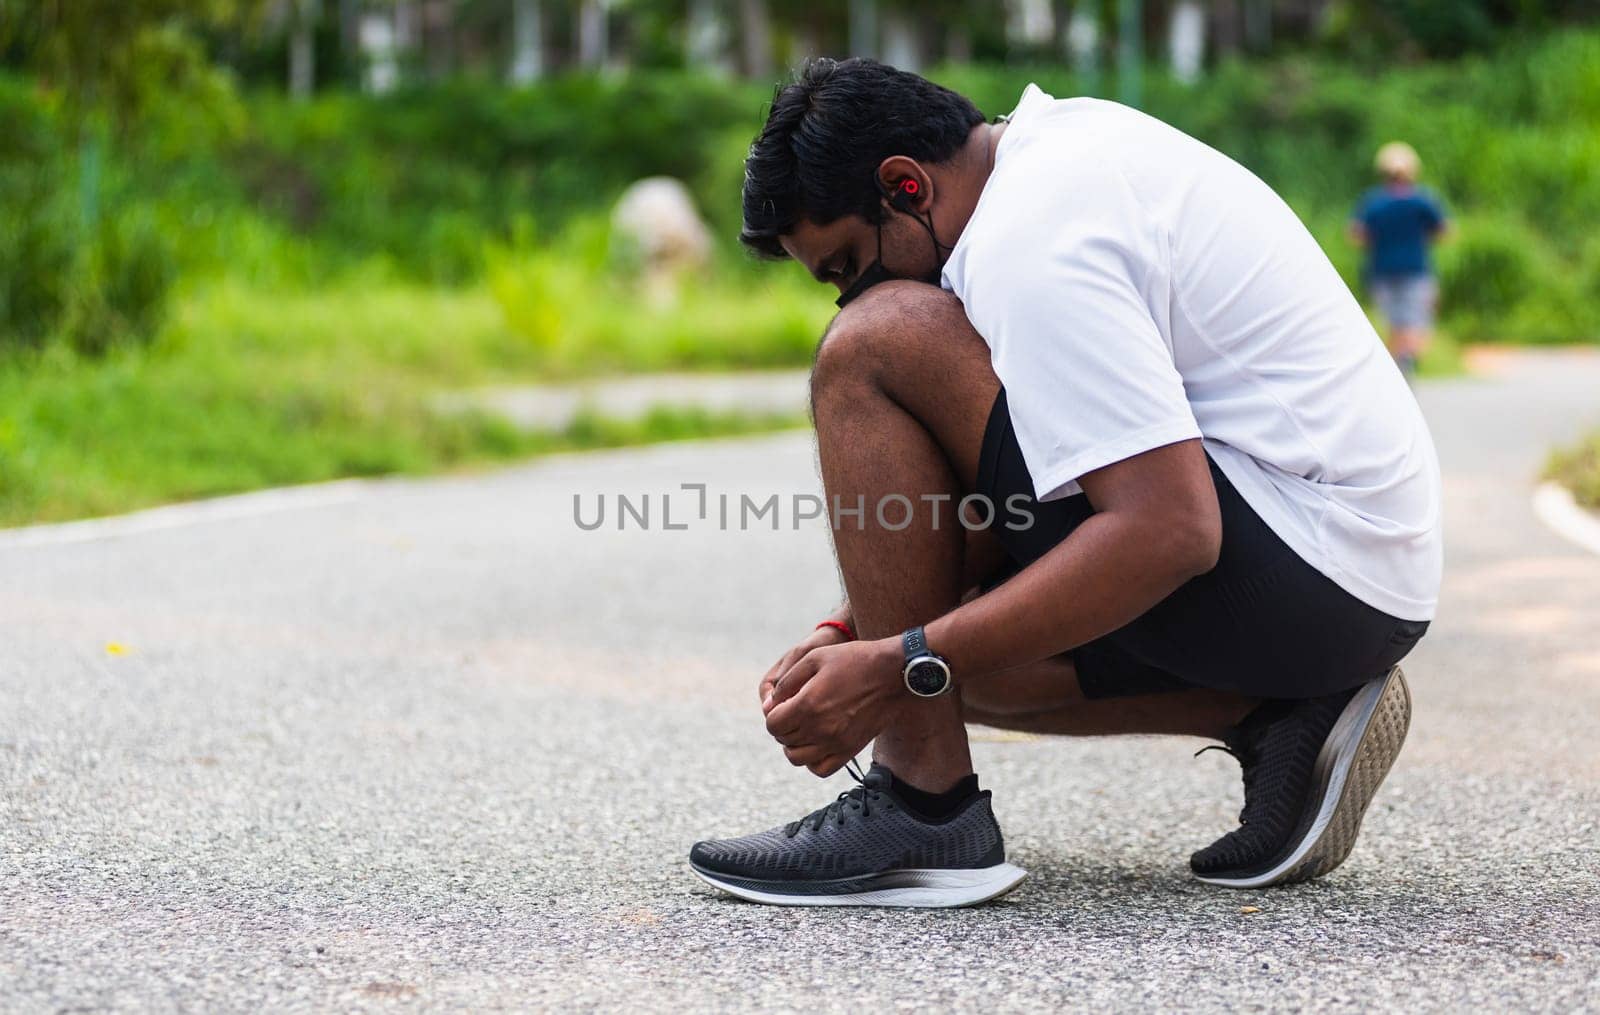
[[432, 745]]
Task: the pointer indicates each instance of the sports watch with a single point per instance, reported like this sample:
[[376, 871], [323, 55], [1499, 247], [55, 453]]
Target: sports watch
[[927, 674]]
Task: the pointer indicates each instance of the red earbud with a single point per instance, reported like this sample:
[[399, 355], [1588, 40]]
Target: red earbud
[[904, 194]]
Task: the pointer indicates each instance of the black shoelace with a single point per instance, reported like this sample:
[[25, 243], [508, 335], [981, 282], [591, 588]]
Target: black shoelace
[[1248, 768], [855, 798]]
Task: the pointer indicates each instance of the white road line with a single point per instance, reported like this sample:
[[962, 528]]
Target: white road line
[[173, 516], [1559, 511]]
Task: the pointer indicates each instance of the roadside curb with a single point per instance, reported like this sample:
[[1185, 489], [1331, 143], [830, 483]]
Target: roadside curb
[[184, 513], [1554, 505], [302, 496]]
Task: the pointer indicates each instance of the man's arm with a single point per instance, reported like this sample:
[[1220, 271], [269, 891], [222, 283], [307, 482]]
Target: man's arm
[[1438, 222], [1156, 525], [983, 561]]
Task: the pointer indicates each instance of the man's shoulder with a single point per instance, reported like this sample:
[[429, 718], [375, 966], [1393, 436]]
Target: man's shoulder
[[1107, 129], [1079, 161], [1382, 199], [1038, 201]]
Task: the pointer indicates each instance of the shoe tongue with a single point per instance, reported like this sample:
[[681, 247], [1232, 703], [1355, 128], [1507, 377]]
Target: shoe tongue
[[878, 778]]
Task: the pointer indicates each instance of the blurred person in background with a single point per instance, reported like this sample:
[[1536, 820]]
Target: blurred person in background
[[1396, 222]]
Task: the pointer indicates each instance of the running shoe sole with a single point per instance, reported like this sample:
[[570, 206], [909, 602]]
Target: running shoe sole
[[919, 889], [1351, 766]]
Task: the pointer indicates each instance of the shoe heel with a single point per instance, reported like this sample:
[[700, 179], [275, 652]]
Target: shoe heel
[[1381, 741]]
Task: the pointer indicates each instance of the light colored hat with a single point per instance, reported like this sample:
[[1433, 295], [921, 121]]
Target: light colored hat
[[1398, 159]]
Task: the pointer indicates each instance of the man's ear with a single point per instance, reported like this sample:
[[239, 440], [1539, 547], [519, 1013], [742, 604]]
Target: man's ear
[[905, 183]]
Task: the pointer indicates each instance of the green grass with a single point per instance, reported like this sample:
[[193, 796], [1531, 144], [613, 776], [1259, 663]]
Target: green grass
[[1578, 469], [245, 389]]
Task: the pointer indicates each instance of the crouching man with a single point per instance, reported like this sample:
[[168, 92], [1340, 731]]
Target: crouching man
[[1232, 498]]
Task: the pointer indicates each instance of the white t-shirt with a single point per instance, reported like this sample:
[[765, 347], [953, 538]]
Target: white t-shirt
[[1138, 288]]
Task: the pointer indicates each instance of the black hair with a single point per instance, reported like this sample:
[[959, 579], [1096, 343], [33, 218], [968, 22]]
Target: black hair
[[817, 157]]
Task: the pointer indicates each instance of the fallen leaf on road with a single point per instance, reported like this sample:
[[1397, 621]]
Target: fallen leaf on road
[[1249, 909]]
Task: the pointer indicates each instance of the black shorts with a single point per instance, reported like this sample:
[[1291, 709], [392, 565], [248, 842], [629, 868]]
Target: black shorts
[[1262, 622]]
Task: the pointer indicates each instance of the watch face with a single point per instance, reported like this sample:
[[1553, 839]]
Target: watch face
[[928, 677]]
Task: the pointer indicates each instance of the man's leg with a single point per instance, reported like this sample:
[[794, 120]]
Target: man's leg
[[901, 394], [886, 362], [1045, 698], [1408, 345]]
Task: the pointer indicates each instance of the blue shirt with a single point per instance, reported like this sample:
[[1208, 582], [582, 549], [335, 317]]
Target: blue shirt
[[1399, 224]]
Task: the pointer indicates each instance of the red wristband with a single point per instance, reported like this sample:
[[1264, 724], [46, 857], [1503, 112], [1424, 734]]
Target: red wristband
[[841, 625]]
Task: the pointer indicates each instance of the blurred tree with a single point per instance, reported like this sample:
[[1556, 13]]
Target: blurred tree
[[1130, 51], [303, 17], [809, 28], [349, 29], [1227, 29], [527, 41], [864, 28], [112, 60], [117, 56], [1390, 29], [1186, 40], [83, 46], [755, 23], [438, 36], [904, 38], [1083, 44], [594, 42], [1031, 25], [113, 64], [706, 35], [1258, 25]]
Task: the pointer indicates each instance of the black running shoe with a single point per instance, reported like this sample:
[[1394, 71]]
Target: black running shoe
[[866, 849], [1310, 770]]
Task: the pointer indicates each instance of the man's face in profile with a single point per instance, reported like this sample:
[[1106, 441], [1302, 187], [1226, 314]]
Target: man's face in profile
[[838, 253]]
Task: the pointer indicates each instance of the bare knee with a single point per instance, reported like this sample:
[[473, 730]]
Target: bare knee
[[887, 331], [911, 343]]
